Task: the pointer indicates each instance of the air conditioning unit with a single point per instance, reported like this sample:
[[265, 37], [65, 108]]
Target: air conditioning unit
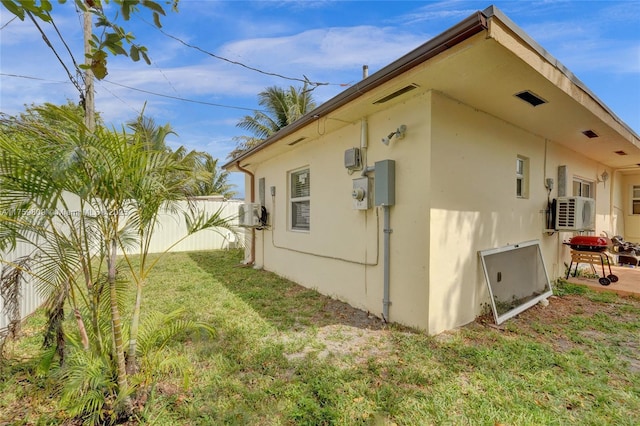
[[575, 214], [249, 215]]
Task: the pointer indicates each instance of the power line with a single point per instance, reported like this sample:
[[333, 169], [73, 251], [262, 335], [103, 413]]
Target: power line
[[10, 21], [33, 78], [139, 90], [119, 98], [180, 98], [304, 80], [64, 42], [48, 43]]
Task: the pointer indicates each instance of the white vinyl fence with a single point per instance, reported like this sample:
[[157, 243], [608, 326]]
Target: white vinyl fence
[[170, 229], [30, 300]]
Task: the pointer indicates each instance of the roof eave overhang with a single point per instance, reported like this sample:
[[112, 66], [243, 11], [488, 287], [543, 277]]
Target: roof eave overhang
[[493, 11], [467, 28], [501, 30]]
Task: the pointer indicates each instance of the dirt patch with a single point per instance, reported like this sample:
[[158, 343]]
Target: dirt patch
[[346, 343], [347, 334], [592, 321], [354, 336], [339, 312]]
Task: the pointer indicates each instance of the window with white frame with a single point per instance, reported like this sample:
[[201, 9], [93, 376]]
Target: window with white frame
[[583, 188], [522, 177], [300, 199], [635, 199]]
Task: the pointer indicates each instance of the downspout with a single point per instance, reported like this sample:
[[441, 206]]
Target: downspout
[[386, 262], [252, 257]]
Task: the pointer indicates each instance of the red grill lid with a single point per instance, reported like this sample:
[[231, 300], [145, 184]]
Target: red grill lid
[[584, 240]]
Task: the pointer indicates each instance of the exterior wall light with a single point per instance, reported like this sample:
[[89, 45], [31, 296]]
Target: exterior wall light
[[398, 133]]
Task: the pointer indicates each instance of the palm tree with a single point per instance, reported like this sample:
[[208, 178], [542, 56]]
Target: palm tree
[[216, 182], [152, 135], [204, 168], [281, 108], [80, 198]]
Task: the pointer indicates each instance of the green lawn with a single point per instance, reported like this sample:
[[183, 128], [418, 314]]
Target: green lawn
[[284, 355]]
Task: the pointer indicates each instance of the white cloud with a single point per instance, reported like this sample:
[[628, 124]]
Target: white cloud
[[453, 10], [319, 52]]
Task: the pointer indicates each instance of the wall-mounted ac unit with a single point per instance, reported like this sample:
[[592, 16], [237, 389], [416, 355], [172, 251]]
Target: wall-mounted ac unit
[[575, 214], [249, 215]]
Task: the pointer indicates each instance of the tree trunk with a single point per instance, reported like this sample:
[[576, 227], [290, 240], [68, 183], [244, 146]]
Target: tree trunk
[[82, 329], [116, 325], [132, 362], [89, 102]]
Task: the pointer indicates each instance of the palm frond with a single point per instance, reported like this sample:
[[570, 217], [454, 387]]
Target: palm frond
[[158, 329]]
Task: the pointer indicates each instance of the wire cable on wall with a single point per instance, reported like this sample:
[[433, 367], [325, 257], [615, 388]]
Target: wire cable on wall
[[326, 256]]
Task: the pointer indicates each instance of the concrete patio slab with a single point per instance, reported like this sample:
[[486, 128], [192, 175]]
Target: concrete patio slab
[[628, 280]]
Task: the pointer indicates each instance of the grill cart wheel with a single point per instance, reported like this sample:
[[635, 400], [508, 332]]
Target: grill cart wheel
[[604, 281], [613, 278]]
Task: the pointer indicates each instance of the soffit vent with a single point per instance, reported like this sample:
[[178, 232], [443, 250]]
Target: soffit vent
[[590, 134], [397, 93], [621, 153], [296, 141], [531, 98]]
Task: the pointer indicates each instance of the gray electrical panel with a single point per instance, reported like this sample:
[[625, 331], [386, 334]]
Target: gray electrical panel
[[562, 181], [261, 190], [352, 159], [385, 183]]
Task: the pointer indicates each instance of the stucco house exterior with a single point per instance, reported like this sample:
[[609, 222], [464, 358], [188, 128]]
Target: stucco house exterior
[[483, 128]]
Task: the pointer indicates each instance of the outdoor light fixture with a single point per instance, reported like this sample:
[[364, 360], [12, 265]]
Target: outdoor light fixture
[[398, 133], [603, 177]]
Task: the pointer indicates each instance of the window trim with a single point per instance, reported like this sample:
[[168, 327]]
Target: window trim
[[293, 201], [583, 182], [522, 177], [635, 200]]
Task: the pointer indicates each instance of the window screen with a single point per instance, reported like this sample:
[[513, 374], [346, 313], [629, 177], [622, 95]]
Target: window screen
[[516, 278], [635, 207]]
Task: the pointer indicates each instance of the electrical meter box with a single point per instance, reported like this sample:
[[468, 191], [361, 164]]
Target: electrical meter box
[[352, 159], [385, 182], [361, 193]]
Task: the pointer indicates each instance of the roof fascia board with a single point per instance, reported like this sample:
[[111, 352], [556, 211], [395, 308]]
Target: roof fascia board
[[465, 29]]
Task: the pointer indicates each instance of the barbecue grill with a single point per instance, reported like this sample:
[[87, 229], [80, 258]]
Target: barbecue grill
[[590, 249], [589, 243]]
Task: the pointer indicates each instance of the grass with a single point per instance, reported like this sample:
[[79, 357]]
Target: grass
[[285, 355]]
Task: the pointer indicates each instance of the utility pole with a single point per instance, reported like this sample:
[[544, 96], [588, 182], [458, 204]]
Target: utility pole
[[89, 99]]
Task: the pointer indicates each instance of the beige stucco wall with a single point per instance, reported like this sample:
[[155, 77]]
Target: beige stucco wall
[[455, 195], [474, 206], [631, 221], [341, 255]]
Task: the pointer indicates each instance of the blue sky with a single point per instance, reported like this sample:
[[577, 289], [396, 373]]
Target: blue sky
[[324, 41]]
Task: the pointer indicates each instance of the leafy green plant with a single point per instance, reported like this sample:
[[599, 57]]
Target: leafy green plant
[[84, 213], [90, 379], [111, 39]]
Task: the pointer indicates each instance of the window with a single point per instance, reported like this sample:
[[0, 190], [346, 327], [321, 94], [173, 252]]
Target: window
[[635, 199], [522, 177], [300, 198], [583, 188]]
